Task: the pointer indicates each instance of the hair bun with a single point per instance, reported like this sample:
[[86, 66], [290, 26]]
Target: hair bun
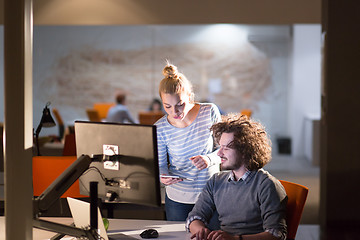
[[170, 71]]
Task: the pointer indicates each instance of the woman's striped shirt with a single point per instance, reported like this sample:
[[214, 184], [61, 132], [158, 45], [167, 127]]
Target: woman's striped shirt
[[182, 143]]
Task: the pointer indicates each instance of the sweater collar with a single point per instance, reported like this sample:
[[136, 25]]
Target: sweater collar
[[247, 175]]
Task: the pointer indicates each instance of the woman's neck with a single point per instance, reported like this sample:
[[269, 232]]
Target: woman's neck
[[189, 118]]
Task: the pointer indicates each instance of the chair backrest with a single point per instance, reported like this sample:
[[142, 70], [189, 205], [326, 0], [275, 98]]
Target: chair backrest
[[246, 112], [297, 195], [69, 145], [60, 122], [47, 168], [150, 117], [103, 108], [93, 115]]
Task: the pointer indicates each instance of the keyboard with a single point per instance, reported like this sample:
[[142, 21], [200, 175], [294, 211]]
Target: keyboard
[[120, 236]]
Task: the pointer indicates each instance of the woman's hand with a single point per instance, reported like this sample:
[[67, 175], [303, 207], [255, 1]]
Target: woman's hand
[[200, 161], [169, 181]]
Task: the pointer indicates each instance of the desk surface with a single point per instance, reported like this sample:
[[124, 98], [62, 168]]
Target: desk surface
[[133, 227]]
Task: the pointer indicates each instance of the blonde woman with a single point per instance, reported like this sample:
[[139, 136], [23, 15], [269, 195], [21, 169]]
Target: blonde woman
[[185, 143]]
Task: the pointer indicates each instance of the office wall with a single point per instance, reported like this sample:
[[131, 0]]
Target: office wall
[[134, 12], [64, 75], [305, 83], [75, 66]]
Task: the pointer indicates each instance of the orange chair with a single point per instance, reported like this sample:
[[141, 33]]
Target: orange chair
[[93, 115], [297, 195], [47, 168], [103, 109], [150, 117], [246, 112]]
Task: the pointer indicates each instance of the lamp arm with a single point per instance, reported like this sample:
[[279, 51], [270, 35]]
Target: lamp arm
[[38, 129]]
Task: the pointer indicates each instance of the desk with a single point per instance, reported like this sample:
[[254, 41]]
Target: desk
[[133, 227]]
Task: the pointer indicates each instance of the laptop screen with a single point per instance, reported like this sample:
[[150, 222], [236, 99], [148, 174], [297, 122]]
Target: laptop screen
[[80, 212]]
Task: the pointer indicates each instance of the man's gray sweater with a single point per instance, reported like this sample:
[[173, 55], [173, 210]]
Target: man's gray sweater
[[248, 206]]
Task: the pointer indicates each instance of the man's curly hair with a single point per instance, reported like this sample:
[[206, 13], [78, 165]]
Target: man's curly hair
[[250, 139]]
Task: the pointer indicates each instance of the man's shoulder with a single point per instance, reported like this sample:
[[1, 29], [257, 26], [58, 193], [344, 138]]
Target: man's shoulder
[[265, 179], [263, 173], [118, 107]]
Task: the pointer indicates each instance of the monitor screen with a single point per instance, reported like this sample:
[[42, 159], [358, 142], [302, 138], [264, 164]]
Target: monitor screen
[[131, 175]]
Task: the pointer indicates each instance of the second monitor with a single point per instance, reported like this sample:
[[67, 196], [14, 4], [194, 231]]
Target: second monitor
[[130, 177]]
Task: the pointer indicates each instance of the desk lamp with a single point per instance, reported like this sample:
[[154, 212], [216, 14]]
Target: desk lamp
[[46, 121]]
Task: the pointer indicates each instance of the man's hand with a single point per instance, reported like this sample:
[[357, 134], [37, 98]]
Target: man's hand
[[206, 234], [200, 161], [198, 230], [201, 234], [221, 235]]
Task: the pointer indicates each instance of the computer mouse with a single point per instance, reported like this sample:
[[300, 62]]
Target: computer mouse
[[149, 233]]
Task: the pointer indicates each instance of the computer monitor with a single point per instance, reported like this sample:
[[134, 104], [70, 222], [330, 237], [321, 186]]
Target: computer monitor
[[132, 174]]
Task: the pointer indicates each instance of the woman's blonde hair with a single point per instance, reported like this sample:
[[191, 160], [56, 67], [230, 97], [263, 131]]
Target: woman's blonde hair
[[175, 82]]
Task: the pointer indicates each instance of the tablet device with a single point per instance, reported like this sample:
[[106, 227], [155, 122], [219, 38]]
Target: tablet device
[[175, 176]]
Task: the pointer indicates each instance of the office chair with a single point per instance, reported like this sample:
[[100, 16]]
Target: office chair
[[47, 168], [103, 109], [150, 117], [246, 112], [69, 145], [297, 195], [93, 115]]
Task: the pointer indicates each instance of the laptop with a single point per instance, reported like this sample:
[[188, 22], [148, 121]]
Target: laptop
[[80, 212]]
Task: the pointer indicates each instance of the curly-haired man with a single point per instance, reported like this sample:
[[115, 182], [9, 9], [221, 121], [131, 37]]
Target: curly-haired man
[[251, 203]]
